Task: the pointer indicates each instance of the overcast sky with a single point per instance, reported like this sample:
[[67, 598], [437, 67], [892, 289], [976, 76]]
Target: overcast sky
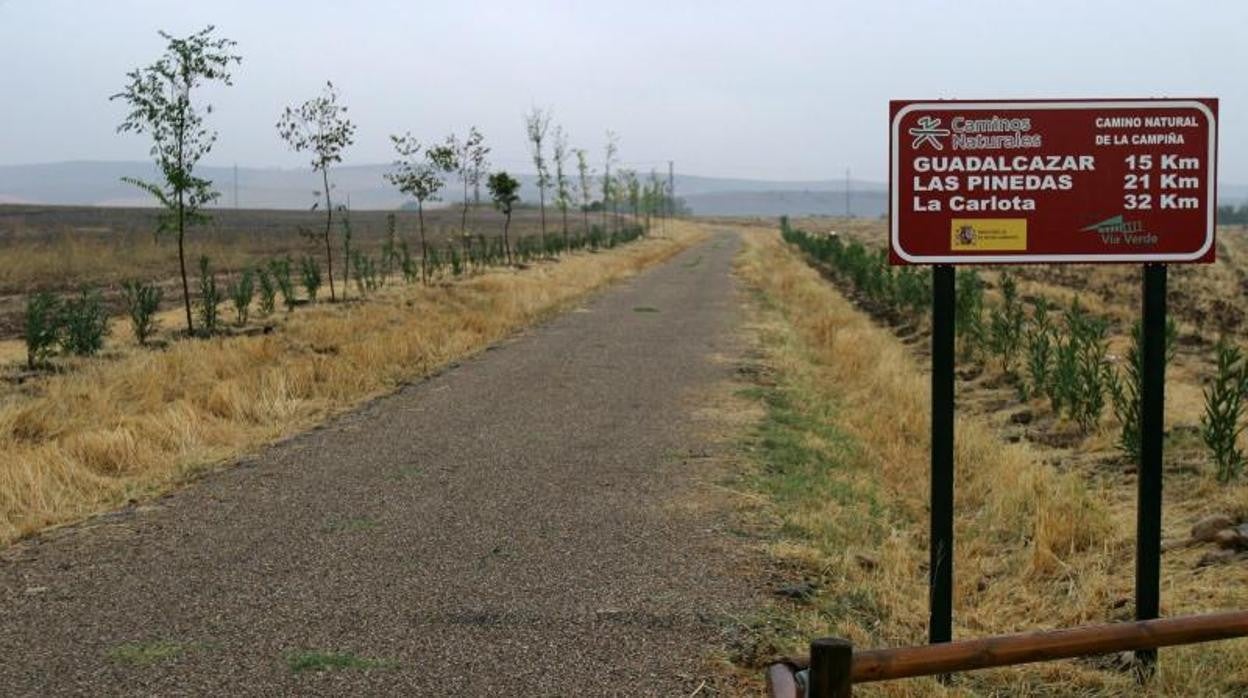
[[775, 89]]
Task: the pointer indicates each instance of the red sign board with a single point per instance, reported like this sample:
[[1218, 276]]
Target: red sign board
[[1052, 181]]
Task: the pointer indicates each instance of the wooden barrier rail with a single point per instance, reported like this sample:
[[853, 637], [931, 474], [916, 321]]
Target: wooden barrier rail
[[835, 667]]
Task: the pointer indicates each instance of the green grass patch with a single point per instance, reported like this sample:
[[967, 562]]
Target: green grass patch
[[645, 309], [823, 495], [692, 264], [319, 660], [351, 525], [146, 653], [805, 462], [406, 472]]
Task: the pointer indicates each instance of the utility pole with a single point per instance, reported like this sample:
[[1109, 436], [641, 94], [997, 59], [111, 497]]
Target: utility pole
[[849, 211], [671, 188]]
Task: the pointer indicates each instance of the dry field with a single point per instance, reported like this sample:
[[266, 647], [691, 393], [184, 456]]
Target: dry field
[[60, 248], [133, 422], [1045, 516]]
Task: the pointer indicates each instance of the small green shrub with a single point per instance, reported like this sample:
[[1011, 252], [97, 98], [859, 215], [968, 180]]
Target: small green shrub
[[241, 292], [1221, 423], [1040, 341], [969, 313], [390, 248], [346, 251], [209, 298], [283, 277], [457, 263], [1081, 373], [1006, 323], [1125, 387], [84, 323], [435, 263], [142, 301], [267, 291], [407, 263], [43, 325], [1094, 371], [311, 272]]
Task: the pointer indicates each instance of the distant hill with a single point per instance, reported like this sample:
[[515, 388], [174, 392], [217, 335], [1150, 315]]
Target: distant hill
[[99, 184]]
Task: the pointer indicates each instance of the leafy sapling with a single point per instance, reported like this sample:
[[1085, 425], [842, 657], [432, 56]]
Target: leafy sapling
[[84, 323], [160, 100], [1222, 422], [321, 128], [419, 177], [310, 272], [283, 277], [142, 301], [241, 292], [1005, 327], [504, 190], [1040, 342], [536, 126], [267, 291], [43, 313], [209, 297], [563, 190], [584, 187]]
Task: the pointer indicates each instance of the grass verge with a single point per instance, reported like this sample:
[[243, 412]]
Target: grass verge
[[146, 653], [317, 660], [840, 460], [135, 424]]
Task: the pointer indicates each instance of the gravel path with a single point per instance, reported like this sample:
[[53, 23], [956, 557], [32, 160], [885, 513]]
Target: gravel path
[[514, 526]]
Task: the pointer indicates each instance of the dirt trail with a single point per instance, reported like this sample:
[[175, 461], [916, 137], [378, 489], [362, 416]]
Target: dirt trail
[[513, 526]]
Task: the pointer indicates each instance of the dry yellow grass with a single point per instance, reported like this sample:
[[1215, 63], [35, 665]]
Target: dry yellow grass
[[1036, 547], [138, 422]]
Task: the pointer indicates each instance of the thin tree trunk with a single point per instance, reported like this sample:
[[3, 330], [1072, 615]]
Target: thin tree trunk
[[329, 221], [464, 243], [565, 227], [542, 205], [346, 267], [506, 239], [186, 287], [424, 249]]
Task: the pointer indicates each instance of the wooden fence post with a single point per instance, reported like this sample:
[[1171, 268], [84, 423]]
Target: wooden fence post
[[831, 661]]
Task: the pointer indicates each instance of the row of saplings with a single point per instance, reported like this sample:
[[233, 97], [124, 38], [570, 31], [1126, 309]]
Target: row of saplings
[[77, 325], [1060, 354]]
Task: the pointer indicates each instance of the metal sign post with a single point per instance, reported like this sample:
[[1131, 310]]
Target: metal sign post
[[1152, 432], [1052, 182], [940, 564]]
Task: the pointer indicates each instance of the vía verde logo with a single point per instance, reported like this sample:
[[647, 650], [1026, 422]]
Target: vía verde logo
[[1119, 231], [1115, 225]]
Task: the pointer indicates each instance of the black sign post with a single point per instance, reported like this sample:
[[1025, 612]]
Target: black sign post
[[1152, 426], [940, 565]]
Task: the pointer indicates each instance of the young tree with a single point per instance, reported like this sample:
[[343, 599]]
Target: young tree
[[418, 178], [467, 159], [632, 189], [159, 97], [563, 194], [608, 184], [320, 126], [503, 189], [537, 123], [653, 198], [585, 176]]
